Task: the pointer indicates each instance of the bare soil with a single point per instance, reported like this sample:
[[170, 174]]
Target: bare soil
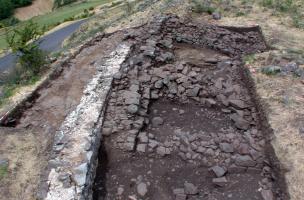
[[144, 159]]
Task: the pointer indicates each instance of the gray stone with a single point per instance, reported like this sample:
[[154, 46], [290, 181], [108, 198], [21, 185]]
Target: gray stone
[[179, 191], [172, 88], [240, 122], [193, 92], [106, 131], [157, 121], [141, 148], [161, 150], [190, 188], [238, 104], [226, 147], [80, 174], [219, 181], [3, 162], [143, 138], [219, 171], [210, 102], [132, 109], [142, 189], [129, 146], [158, 84], [290, 67], [244, 161], [131, 97], [165, 57], [120, 190], [153, 143], [216, 15], [148, 50], [180, 197], [267, 194]]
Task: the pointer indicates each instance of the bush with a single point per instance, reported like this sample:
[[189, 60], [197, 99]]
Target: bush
[[6, 9], [24, 42], [11, 21]]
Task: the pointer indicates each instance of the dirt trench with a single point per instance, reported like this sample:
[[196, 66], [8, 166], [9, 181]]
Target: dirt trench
[[28, 145], [181, 121]]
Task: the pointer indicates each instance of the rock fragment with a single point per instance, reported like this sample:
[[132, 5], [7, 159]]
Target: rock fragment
[[190, 188], [219, 181], [142, 189], [226, 147], [219, 171], [157, 121]]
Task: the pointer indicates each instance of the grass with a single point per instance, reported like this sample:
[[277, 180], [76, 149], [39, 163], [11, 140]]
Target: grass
[[202, 7], [293, 8], [11, 82], [56, 17], [3, 171]]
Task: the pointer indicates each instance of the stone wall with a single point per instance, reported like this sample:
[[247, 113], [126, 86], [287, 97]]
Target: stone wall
[[77, 140]]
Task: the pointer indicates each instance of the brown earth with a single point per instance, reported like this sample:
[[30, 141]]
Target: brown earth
[[186, 127]]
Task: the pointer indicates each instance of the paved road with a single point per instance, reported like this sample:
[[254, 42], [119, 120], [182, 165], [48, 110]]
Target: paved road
[[50, 42]]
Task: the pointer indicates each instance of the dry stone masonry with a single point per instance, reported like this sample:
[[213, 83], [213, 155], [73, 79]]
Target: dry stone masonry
[[77, 141], [180, 122]]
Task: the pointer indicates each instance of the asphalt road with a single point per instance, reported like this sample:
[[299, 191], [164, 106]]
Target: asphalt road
[[51, 42]]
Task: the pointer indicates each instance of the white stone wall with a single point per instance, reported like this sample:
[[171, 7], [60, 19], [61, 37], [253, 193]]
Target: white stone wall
[[77, 141]]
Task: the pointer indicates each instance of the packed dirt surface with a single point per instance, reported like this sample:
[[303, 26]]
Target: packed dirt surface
[[182, 122], [42, 117]]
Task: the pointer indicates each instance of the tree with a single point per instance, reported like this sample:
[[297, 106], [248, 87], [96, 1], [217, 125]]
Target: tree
[[25, 43], [6, 8]]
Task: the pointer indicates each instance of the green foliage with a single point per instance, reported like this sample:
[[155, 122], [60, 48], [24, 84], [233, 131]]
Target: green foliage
[[271, 70], [200, 6], [21, 3], [24, 43], [6, 9], [279, 5], [60, 3], [249, 59], [3, 171], [7, 6], [11, 21]]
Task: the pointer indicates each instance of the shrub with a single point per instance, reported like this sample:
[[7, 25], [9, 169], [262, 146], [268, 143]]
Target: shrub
[[24, 42], [6, 9]]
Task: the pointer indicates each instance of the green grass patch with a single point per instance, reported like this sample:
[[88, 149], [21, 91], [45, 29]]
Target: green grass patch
[[57, 16], [249, 59], [3, 171], [14, 80]]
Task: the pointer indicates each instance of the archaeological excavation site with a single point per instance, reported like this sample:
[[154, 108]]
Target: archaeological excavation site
[[162, 111]]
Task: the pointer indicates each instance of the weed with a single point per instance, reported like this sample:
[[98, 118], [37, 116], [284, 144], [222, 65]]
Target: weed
[[249, 59], [3, 171], [271, 70], [202, 7], [240, 13]]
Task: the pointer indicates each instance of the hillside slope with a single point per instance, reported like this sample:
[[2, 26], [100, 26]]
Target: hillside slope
[[38, 7]]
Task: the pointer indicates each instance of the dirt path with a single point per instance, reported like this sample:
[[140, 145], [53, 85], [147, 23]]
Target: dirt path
[[181, 124], [43, 117]]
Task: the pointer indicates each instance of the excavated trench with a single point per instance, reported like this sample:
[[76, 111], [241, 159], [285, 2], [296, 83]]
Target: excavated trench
[[183, 122]]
